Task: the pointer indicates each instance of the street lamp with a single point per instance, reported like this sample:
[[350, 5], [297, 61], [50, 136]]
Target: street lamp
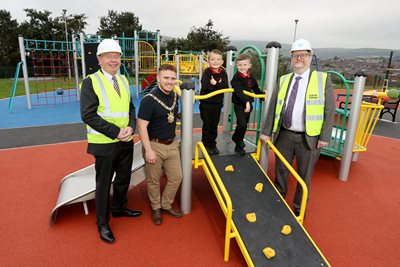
[[66, 41], [295, 29]]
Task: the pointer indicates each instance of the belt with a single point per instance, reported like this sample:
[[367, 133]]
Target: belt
[[292, 131], [162, 141]]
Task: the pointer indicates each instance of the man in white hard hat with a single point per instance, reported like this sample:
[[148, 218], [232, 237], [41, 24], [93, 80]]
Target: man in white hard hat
[[300, 118], [109, 114]]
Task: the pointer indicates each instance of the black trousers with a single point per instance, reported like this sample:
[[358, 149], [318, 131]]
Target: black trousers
[[242, 119], [210, 114], [120, 163]]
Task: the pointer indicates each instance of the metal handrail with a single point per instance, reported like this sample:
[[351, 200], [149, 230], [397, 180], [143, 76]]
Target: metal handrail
[[303, 185], [220, 192]]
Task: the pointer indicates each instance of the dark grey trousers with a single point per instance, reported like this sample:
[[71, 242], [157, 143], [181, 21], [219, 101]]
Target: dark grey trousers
[[294, 145]]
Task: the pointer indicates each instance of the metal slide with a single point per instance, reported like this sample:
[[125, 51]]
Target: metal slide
[[80, 186]]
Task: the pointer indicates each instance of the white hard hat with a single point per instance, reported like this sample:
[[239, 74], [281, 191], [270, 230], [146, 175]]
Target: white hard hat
[[108, 45], [301, 44]]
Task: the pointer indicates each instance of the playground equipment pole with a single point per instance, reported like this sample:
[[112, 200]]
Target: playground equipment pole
[[230, 67], [158, 49], [25, 71], [295, 29], [387, 72], [75, 66], [177, 65], [271, 72], [136, 47], [81, 39], [347, 153], [200, 68], [66, 42], [186, 149]]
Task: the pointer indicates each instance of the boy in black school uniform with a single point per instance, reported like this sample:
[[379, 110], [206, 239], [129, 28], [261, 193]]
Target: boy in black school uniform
[[213, 79], [242, 81]]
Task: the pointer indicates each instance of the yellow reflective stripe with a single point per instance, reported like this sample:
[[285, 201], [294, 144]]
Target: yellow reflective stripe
[[117, 115], [320, 86], [284, 79], [103, 92], [314, 117], [125, 83], [315, 102], [92, 131]]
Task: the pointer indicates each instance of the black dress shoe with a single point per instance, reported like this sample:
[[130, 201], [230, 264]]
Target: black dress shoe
[[210, 151], [240, 150], [105, 234], [215, 150], [173, 213], [241, 144], [126, 213]]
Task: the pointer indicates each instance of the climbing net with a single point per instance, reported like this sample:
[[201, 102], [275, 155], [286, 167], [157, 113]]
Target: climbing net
[[52, 74]]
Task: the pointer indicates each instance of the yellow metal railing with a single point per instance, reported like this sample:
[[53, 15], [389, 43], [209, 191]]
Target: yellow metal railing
[[224, 201], [303, 185], [369, 115], [299, 218]]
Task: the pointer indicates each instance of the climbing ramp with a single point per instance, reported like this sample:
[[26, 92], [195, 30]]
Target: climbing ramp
[[235, 189]]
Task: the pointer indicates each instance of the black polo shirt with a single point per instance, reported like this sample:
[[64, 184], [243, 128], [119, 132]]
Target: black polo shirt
[[242, 83], [206, 87], [150, 110]]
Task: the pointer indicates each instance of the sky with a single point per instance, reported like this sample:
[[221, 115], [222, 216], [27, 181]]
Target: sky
[[339, 23]]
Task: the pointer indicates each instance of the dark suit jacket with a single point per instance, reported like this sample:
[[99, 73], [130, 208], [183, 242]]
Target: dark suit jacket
[[328, 116], [89, 104]]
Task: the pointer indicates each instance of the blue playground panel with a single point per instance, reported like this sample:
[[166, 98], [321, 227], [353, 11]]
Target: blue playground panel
[[44, 115]]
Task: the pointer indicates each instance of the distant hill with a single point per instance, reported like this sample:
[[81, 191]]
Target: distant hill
[[323, 53]]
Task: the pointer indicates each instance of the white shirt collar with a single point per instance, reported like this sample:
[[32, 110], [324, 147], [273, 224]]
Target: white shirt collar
[[304, 76], [108, 75]]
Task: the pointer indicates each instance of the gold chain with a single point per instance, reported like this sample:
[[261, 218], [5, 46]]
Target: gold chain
[[170, 115]]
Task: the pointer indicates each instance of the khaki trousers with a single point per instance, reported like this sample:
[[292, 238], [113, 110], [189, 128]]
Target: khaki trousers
[[169, 161]]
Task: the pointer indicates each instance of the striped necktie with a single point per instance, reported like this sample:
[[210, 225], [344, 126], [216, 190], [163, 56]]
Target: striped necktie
[[116, 87], [287, 117]]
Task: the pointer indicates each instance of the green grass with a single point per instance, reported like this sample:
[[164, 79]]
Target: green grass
[[35, 86]]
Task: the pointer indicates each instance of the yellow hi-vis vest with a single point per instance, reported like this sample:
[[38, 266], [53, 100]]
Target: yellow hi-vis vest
[[112, 107], [314, 105]]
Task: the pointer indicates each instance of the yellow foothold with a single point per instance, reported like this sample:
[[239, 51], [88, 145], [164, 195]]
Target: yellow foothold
[[286, 230], [229, 168], [251, 217], [269, 252], [259, 187]]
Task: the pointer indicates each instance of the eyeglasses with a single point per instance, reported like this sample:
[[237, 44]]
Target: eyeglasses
[[299, 56], [110, 57]]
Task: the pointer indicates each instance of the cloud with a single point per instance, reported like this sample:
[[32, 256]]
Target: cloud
[[350, 24]]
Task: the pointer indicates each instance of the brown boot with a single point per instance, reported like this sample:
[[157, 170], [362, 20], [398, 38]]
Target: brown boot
[[156, 217]]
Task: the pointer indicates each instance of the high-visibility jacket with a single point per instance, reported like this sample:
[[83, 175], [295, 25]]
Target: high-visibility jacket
[[314, 102], [112, 107]]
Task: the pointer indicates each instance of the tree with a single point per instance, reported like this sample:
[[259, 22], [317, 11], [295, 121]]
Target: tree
[[283, 66], [9, 52], [117, 23], [41, 26], [203, 38], [76, 23]]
